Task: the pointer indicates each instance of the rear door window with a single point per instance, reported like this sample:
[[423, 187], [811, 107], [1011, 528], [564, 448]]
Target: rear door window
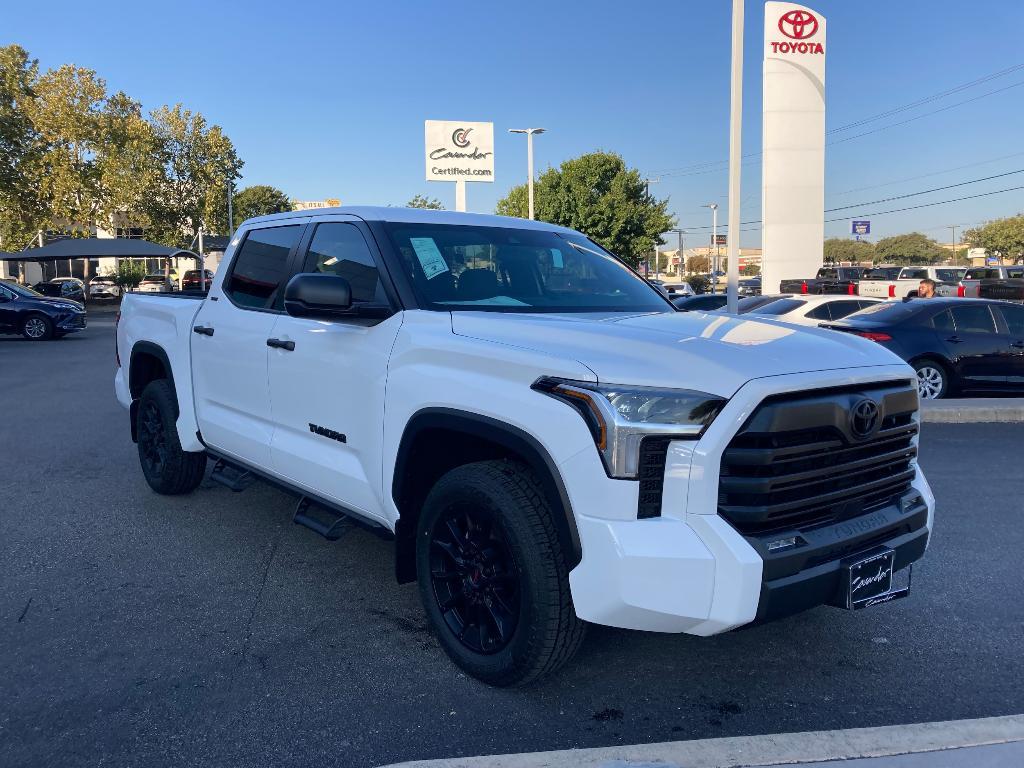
[[820, 312], [943, 321], [259, 271], [1014, 317], [913, 274], [973, 319], [841, 309]]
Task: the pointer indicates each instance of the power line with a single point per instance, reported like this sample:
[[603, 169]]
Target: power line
[[894, 210], [928, 99], [709, 166], [923, 192], [925, 175]]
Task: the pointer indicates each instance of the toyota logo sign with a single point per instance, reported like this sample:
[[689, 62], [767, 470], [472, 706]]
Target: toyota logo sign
[[798, 25]]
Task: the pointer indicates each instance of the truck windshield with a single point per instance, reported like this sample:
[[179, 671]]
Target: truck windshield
[[505, 269]]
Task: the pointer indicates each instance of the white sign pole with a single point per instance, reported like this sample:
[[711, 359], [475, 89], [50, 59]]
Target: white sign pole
[[460, 195], [735, 137], [793, 145]]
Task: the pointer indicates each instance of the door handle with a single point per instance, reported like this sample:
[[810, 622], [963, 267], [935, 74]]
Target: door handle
[[203, 330], [280, 344], [955, 340]]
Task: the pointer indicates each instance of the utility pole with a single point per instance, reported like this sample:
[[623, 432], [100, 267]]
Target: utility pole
[[735, 154], [714, 242], [953, 227], [530, 133], [231, 217]]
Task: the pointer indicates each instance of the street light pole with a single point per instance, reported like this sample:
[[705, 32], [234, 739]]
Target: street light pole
[[529, 160], [714, 242], [735, 138]]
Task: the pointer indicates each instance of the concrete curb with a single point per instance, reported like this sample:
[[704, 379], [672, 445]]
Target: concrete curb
[[982, 410], [776, 749]]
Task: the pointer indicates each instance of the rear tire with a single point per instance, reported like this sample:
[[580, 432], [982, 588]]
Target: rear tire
[[168, 469], [932, 380], [37, 328], [492, 574]]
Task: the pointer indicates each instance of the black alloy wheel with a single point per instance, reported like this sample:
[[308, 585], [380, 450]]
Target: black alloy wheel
[[152, 440], [475, 579]]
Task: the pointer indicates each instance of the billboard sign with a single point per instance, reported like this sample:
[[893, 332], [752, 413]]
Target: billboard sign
[[860, 227], [459, 151]]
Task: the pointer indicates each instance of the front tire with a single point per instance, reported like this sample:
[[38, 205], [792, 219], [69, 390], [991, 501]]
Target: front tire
[[37, 328], [492, 574], [168, 469], [932, 380]]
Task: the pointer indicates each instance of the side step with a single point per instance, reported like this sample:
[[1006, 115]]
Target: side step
[[231, 477], [328, 523]]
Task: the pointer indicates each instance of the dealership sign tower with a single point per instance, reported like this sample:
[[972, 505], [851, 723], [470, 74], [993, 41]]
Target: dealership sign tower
[[793, 144], [459, 152]]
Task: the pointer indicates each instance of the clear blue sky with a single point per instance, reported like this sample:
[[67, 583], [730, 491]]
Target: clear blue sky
[[328, 100]]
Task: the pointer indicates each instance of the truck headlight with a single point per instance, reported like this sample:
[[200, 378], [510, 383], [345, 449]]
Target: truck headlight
[[620, 417]]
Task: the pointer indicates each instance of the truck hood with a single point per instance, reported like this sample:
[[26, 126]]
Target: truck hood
[[714, 353]]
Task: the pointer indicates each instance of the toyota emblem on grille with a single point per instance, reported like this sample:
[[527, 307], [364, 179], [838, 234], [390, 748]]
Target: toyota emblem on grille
[[864, 418]]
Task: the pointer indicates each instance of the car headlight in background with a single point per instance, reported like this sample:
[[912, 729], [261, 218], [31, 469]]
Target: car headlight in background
[[620, 417]]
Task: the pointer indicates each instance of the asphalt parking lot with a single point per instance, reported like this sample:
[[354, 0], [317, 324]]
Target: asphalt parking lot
[[208, 630]]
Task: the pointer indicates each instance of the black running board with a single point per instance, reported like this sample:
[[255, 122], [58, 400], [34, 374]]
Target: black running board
[[327, 518], [330, 524], [235, 478]]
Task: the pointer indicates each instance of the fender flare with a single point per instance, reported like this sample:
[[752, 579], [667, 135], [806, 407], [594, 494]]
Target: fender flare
[[155, 350], [512, 438]]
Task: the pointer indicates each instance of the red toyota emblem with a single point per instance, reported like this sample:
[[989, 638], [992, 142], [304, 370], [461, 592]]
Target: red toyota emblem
[[798, 25]]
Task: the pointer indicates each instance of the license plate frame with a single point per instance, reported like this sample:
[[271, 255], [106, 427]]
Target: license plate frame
[[868, 580]]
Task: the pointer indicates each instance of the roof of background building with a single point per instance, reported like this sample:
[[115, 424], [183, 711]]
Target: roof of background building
[[95, 247]]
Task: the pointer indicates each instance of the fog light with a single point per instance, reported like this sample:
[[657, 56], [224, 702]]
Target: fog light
[[775, 546]]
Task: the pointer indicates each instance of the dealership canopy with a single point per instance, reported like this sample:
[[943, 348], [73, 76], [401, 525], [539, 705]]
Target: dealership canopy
[[97, 247]]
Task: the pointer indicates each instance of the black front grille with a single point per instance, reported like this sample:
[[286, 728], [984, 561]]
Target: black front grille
[[796, 463]]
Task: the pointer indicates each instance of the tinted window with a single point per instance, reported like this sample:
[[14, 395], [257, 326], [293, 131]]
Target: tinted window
[[509, 269], [339, 249], [820, 312], [949, 275], [1017, 273], [1014, 317], [261, 266], [841, 309], [780, 307], [943, 321], [974, 274], [973, 319], [913, 274]]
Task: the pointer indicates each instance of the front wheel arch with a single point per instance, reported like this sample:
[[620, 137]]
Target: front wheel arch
[[947, 371]]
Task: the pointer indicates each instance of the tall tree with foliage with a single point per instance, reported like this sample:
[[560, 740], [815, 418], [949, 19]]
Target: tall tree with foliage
[[838, 249], [1001, 237], [22, 204], [259, 200], [598, 195], [197, 161], [422, 201], [913, 248]]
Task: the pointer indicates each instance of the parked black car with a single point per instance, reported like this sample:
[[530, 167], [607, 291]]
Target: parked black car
[[955, 345], [710, 302], [828, 280], [37, 317], [62, 288]]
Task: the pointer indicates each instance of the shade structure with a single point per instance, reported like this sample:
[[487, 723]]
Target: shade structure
[[97, 247]]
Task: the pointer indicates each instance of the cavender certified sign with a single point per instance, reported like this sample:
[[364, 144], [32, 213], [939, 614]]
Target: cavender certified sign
[[459, 151]]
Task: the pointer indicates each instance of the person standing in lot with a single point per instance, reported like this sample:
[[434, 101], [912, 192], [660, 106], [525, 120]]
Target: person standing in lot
[[926, 290]]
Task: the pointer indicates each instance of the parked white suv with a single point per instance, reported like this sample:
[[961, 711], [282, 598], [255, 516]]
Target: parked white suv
[[546, 440]]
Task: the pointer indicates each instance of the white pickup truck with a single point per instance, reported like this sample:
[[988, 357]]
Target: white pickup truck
[[906, 284], [544, 438]]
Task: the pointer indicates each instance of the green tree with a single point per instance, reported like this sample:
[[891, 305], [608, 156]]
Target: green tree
[[259, 200], [698, 264], [913, 248], [838, 249], [1001, 237], [598, 195], [22, 204], [196, 163], [129, 274], [421, 201]]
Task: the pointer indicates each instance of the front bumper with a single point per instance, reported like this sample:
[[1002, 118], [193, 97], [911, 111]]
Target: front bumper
[[71, 323], [689, 570]]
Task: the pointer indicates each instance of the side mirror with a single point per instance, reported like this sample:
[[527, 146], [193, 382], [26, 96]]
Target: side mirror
[[318, 295]]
